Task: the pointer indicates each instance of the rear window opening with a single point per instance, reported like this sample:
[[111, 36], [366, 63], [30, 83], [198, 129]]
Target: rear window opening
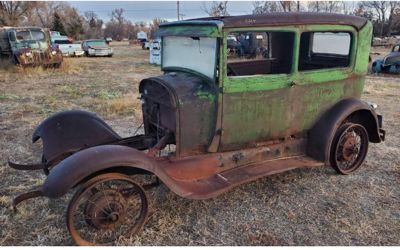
[[322, 50], [62, 42], [259, 53]]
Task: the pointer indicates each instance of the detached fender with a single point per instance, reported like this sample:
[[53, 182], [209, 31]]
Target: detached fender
[[66, 132], [76, 168], [354, 110]]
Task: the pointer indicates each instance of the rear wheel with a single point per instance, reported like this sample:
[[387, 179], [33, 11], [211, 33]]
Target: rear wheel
[[107, 208], [349, 148]]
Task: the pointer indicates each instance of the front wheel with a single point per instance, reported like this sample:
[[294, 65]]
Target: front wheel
[[107, 208], [349, 148]]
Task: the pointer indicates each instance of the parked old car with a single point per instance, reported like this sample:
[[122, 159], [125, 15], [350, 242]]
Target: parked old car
[[28, 46], [390, 63], [229, 121], [66, 46], [155, 52], [97, 47]]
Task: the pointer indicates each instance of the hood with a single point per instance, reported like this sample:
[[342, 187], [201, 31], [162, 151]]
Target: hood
[[98, 47], [188, 106]]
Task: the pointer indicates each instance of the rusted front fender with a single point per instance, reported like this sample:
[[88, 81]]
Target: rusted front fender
[[87, 163], [321, 135], [67, 132]]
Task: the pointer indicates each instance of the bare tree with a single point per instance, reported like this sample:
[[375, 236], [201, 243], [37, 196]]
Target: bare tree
[[348, 7], [155, 24], [13, 12], [326, 6], [381, 10], [118, 27], [396, 21], [216, 9], [287, 6], [261, 7], [94, 25], [314, 6], [394, 8]]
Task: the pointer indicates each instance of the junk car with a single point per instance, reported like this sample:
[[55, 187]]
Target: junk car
[[212, 123], [66, 46], [97, 47], [28, 46], [390, 63]]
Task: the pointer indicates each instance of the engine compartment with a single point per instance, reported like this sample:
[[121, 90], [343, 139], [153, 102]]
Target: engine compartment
[[159, 111]]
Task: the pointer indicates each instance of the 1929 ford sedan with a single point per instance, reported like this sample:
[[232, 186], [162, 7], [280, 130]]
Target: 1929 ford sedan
[[231, 119]]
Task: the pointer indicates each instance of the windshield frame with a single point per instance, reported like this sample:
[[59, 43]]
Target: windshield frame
[[188, 70], [88, 43], [31, 36]]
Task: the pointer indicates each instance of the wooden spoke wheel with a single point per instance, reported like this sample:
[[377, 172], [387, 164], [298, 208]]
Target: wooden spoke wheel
[[106, 208], [349, 148]]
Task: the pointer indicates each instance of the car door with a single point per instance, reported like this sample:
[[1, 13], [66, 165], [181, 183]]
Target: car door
[[328, 70], [257, 86]]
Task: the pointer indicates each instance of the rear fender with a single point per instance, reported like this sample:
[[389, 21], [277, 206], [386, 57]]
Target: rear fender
[[67, 132], [92, 161], [353, 110]]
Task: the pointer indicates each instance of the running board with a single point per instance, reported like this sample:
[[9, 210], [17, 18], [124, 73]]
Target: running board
[[224, 181]]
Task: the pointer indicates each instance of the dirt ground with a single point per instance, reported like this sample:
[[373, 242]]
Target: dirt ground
[[299, 207]]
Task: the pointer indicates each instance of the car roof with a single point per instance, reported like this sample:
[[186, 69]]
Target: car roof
[[287, 18], [95, 40], [22, 28]]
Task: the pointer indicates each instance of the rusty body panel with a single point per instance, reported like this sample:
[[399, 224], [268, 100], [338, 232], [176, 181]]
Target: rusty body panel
[[283, 115], [178, 174], [47, 58], [226, 129]]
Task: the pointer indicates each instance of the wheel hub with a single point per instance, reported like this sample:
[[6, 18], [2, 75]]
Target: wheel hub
[[105, 209], [350, 148]]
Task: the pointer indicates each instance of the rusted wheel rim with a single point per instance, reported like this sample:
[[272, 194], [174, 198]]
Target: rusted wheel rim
[[107, 209], [351, 148]]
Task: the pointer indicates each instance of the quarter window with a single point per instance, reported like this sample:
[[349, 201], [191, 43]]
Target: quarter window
[[321, 50], [259, 53]]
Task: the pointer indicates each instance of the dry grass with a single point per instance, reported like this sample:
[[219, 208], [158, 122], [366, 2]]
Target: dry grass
[[299, 207]]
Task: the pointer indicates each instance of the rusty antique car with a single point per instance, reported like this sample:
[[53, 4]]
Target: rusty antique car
[[213, 121], [28, 46], [390, 63]]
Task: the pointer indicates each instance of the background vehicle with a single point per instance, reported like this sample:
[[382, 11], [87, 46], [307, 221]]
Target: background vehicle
[[108, 40], [155, 52], [142, 39], [228, 121], [249, 45], [97, 47], [67, 47], [390, 63], [28, 46]]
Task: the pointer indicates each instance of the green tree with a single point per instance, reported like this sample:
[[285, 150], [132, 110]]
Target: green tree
[[57, 24]]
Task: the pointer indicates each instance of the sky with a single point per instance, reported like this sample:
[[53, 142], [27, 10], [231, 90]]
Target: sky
[[147, 10]]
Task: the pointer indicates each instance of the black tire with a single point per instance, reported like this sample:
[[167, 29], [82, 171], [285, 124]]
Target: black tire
[[349, 148]]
